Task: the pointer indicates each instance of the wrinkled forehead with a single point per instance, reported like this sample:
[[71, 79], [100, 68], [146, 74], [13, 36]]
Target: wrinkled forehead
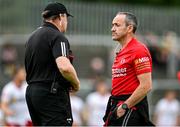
[[119, 18]]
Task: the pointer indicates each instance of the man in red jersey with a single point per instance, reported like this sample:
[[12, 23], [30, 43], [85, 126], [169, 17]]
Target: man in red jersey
[[131, 76]]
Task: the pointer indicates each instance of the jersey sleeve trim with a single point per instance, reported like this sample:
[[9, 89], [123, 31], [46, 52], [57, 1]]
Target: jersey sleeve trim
[[142, 71], [63, 47]]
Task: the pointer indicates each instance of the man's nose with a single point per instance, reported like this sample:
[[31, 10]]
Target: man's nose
[[112, 29]]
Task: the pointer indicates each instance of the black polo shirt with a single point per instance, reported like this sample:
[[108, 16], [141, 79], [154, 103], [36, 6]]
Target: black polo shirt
[[42, 48]]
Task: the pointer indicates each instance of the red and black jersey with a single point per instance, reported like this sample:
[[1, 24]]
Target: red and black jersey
[[131, 61]]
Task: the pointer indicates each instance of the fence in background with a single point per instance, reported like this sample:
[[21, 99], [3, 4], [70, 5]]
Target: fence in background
[[23, 16]]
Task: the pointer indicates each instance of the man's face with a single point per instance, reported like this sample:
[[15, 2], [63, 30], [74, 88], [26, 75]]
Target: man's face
[[119, 29], [20, 75], [63, 23]]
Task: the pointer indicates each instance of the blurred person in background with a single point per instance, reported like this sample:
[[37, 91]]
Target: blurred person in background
[[13, 101], [1, 117], [50, 73], [169, 53], [131, 76], [96, 104], [167, 110], [97, 67], [8, 59], [77, 106]]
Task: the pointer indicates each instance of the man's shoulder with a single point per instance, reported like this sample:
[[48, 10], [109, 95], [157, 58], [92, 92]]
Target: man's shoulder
[[51, 32], [9, 86], [140, 47], [137, 48], [162, 101], [58, 35]]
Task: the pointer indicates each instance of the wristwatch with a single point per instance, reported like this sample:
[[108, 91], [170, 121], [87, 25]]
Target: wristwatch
[[124, 106]]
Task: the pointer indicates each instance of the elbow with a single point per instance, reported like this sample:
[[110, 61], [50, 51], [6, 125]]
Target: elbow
[[64, 69], [63, 65], [149, 87]]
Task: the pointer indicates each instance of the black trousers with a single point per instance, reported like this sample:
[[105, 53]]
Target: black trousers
[[136, 116], [46, 108]]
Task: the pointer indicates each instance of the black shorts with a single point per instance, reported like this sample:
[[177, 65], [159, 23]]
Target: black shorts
[[136, 116], [46, 108]]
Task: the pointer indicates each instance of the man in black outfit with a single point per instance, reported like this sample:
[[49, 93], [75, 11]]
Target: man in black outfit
[[50, 74]]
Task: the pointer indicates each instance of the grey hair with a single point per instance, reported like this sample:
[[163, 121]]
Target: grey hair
[[46, 16], [130, 20]]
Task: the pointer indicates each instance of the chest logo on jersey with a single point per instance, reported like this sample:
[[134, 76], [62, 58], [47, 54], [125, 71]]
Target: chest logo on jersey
[[119, 72], [122, 61]]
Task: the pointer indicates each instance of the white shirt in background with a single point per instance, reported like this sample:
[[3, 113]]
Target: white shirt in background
[[167, 112], [16, 98], [96, 105], [77, 106], [1, 118]]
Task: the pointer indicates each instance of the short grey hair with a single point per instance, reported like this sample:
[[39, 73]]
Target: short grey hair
[[46, 16], [130, 20]]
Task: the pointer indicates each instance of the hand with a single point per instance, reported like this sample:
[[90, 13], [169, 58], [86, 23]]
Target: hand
[[120, 111], [71, 89], [75, 87]]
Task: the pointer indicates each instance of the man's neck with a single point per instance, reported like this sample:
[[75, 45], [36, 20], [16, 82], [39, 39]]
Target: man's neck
[[124, 42], [50, 21]]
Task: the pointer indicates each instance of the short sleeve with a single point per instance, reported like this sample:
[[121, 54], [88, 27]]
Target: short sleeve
[[60, 47], [142, 61], [6, 94]]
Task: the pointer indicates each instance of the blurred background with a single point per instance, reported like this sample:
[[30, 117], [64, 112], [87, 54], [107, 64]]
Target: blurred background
[[90, 38]]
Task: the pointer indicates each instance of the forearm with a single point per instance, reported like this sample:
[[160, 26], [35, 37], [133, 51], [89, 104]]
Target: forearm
[[6, 110], [138, 95], [68, 72], [145, 85], [71, 76]]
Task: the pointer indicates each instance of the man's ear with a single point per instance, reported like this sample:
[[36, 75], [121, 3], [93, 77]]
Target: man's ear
[[130, 28]]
